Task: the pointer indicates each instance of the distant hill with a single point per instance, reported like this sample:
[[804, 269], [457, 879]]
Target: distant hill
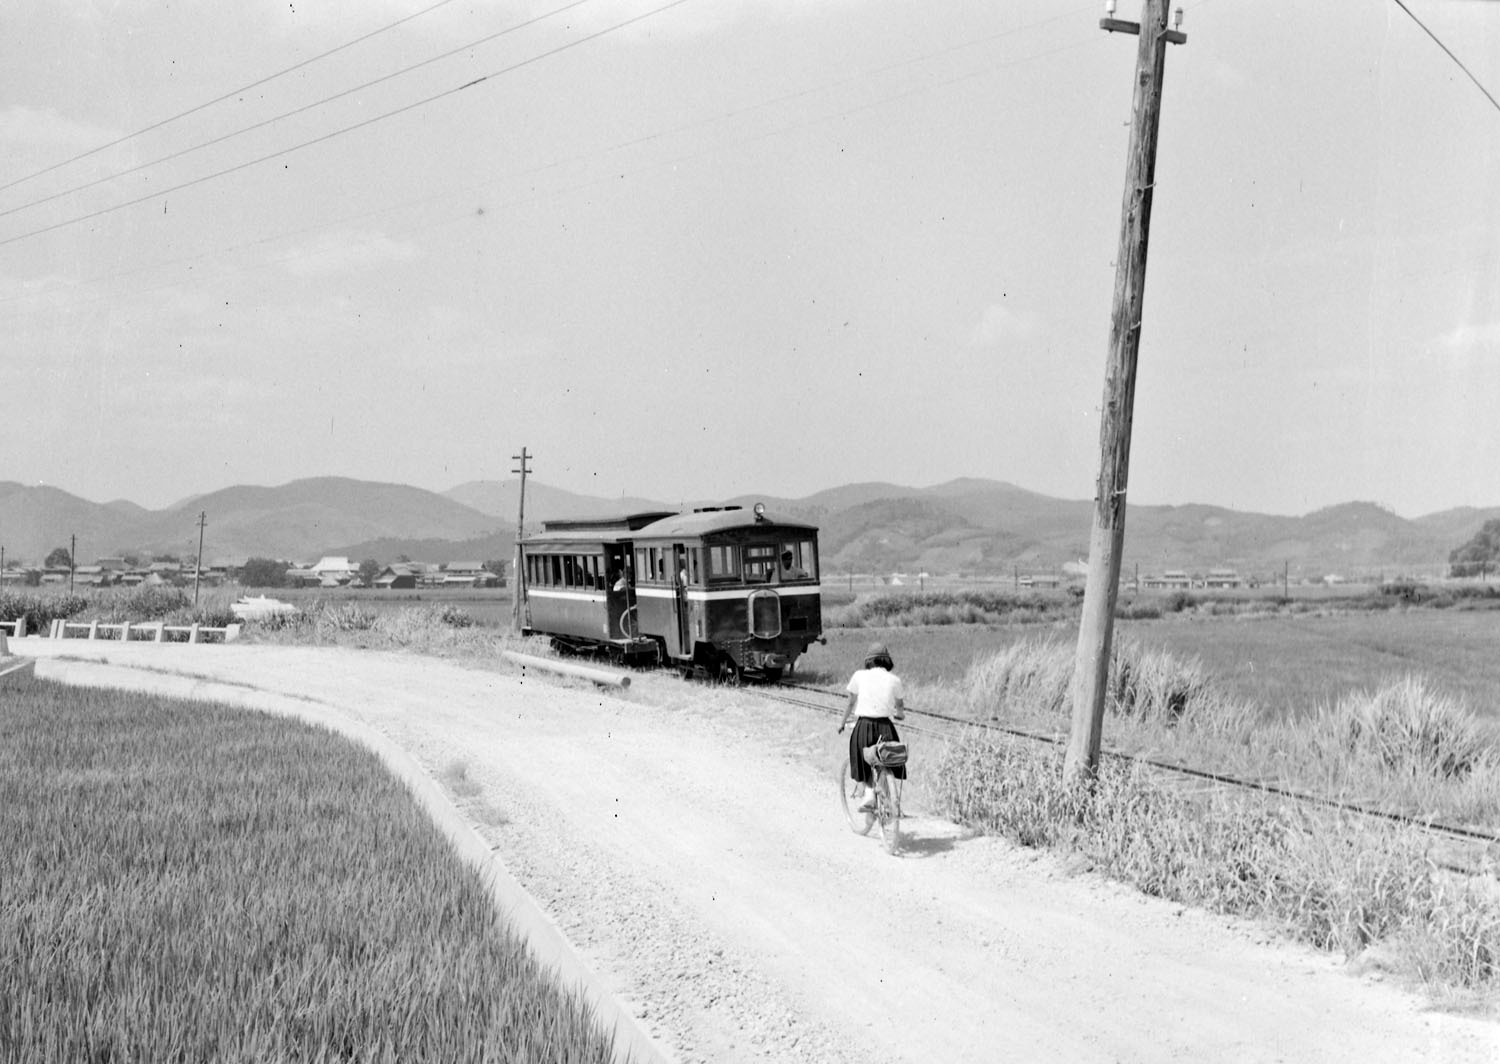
[[497, 545], [300, 520], [500, 498], [968, 525]]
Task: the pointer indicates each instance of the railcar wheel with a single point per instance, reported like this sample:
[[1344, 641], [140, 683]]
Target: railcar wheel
[[860, 820]]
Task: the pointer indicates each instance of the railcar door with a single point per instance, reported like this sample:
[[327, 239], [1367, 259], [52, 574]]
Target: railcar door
[[619, 595], [680, 600]]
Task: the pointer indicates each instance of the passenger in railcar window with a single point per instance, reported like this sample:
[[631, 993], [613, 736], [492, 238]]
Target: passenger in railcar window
[[790, 570]]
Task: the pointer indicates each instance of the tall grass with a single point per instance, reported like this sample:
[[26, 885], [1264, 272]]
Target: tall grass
[[1333, 882], [184, 881], [902, 609], [440, 628], [39, 608], [1402, 746]]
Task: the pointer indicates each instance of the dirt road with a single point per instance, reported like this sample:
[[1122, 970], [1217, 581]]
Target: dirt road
[[688, 841]]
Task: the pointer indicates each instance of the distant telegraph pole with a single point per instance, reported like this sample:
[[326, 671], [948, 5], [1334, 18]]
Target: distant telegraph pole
[[72, 559], [1107, 540], [521, 608], [198, 572]]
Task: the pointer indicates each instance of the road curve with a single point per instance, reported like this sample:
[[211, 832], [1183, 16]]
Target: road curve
[[686, 840]]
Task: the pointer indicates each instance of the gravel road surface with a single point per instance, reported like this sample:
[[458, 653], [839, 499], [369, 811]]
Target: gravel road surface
[[688, 841]]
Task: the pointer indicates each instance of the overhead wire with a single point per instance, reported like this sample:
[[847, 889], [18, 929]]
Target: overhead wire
[[657, 135], [157, 194], [1449, 53], [294, 111], [228, 95]]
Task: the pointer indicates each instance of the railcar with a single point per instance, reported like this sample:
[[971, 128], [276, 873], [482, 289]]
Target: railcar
[[721, 591]]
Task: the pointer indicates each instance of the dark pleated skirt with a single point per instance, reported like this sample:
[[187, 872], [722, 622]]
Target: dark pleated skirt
[[867, 732]]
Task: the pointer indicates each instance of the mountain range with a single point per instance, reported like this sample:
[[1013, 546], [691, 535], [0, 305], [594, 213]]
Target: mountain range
[[967, 525]]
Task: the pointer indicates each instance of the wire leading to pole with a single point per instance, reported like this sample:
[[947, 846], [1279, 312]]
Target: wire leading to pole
[[1449, 53], [157, 194], [226, 96], [171, 156]]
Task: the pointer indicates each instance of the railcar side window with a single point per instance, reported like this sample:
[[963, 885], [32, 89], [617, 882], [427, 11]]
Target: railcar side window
[[723, 562], [642, 570]]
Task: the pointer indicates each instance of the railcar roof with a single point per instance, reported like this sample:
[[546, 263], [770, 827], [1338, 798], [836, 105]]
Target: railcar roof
[[708, 521], [606, 522]]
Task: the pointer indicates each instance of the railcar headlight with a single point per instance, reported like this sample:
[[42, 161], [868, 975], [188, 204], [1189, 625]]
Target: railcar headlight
[[760, 511]]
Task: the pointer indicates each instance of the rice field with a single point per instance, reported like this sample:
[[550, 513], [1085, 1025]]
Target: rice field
[[186, 881], [1282, 664]]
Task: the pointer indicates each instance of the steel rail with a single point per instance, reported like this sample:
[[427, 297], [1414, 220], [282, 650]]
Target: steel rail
[[1455, 831]]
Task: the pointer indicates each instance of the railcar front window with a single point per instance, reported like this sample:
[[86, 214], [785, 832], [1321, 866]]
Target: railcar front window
[[799, 560], [760, 563]]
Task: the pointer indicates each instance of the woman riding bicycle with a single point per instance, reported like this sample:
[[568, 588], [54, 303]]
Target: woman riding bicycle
[[876, 698]]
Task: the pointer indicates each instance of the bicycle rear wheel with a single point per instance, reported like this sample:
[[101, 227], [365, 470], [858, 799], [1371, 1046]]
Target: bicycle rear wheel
[[888, 811], [860, 820]]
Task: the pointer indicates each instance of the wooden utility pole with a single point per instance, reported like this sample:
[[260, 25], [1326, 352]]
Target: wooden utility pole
[[1107, 540], [72, 559], [198, 571], [521, 608]]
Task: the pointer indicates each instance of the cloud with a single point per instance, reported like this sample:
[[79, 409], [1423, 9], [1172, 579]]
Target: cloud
[[1467, 336], [1001, 324], [45, 127], [347, 253]]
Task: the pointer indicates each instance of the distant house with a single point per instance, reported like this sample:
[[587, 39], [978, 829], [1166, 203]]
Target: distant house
[[468, 574], [167, 572], [13, 576], [398, 576], [326, 572], [1222, 578], [91, 576], [1171, 579], [302, 576]]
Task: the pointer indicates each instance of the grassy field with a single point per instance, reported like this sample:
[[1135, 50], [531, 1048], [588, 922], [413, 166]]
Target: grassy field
[[1280, 663], [185, 881]]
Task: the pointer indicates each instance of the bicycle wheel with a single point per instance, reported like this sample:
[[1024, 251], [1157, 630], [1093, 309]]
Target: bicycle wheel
[[860, 820], [888, 811]]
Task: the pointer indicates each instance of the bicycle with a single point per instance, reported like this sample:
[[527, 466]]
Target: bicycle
[[882, 757]]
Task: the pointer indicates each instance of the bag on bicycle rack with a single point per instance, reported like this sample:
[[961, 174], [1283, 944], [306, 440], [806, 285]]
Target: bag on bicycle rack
[[886, 754]]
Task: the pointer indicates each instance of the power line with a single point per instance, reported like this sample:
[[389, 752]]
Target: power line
[[342, 130], [640, 140], [220, 99], [1449, 52], [293, 112]]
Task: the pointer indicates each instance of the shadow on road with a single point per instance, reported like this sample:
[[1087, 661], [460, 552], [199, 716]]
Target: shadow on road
[[926, 845]]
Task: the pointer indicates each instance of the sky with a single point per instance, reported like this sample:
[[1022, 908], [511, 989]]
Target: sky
[[713, 247]]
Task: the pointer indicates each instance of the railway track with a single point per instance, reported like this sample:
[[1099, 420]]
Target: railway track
[[1459, 849]]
